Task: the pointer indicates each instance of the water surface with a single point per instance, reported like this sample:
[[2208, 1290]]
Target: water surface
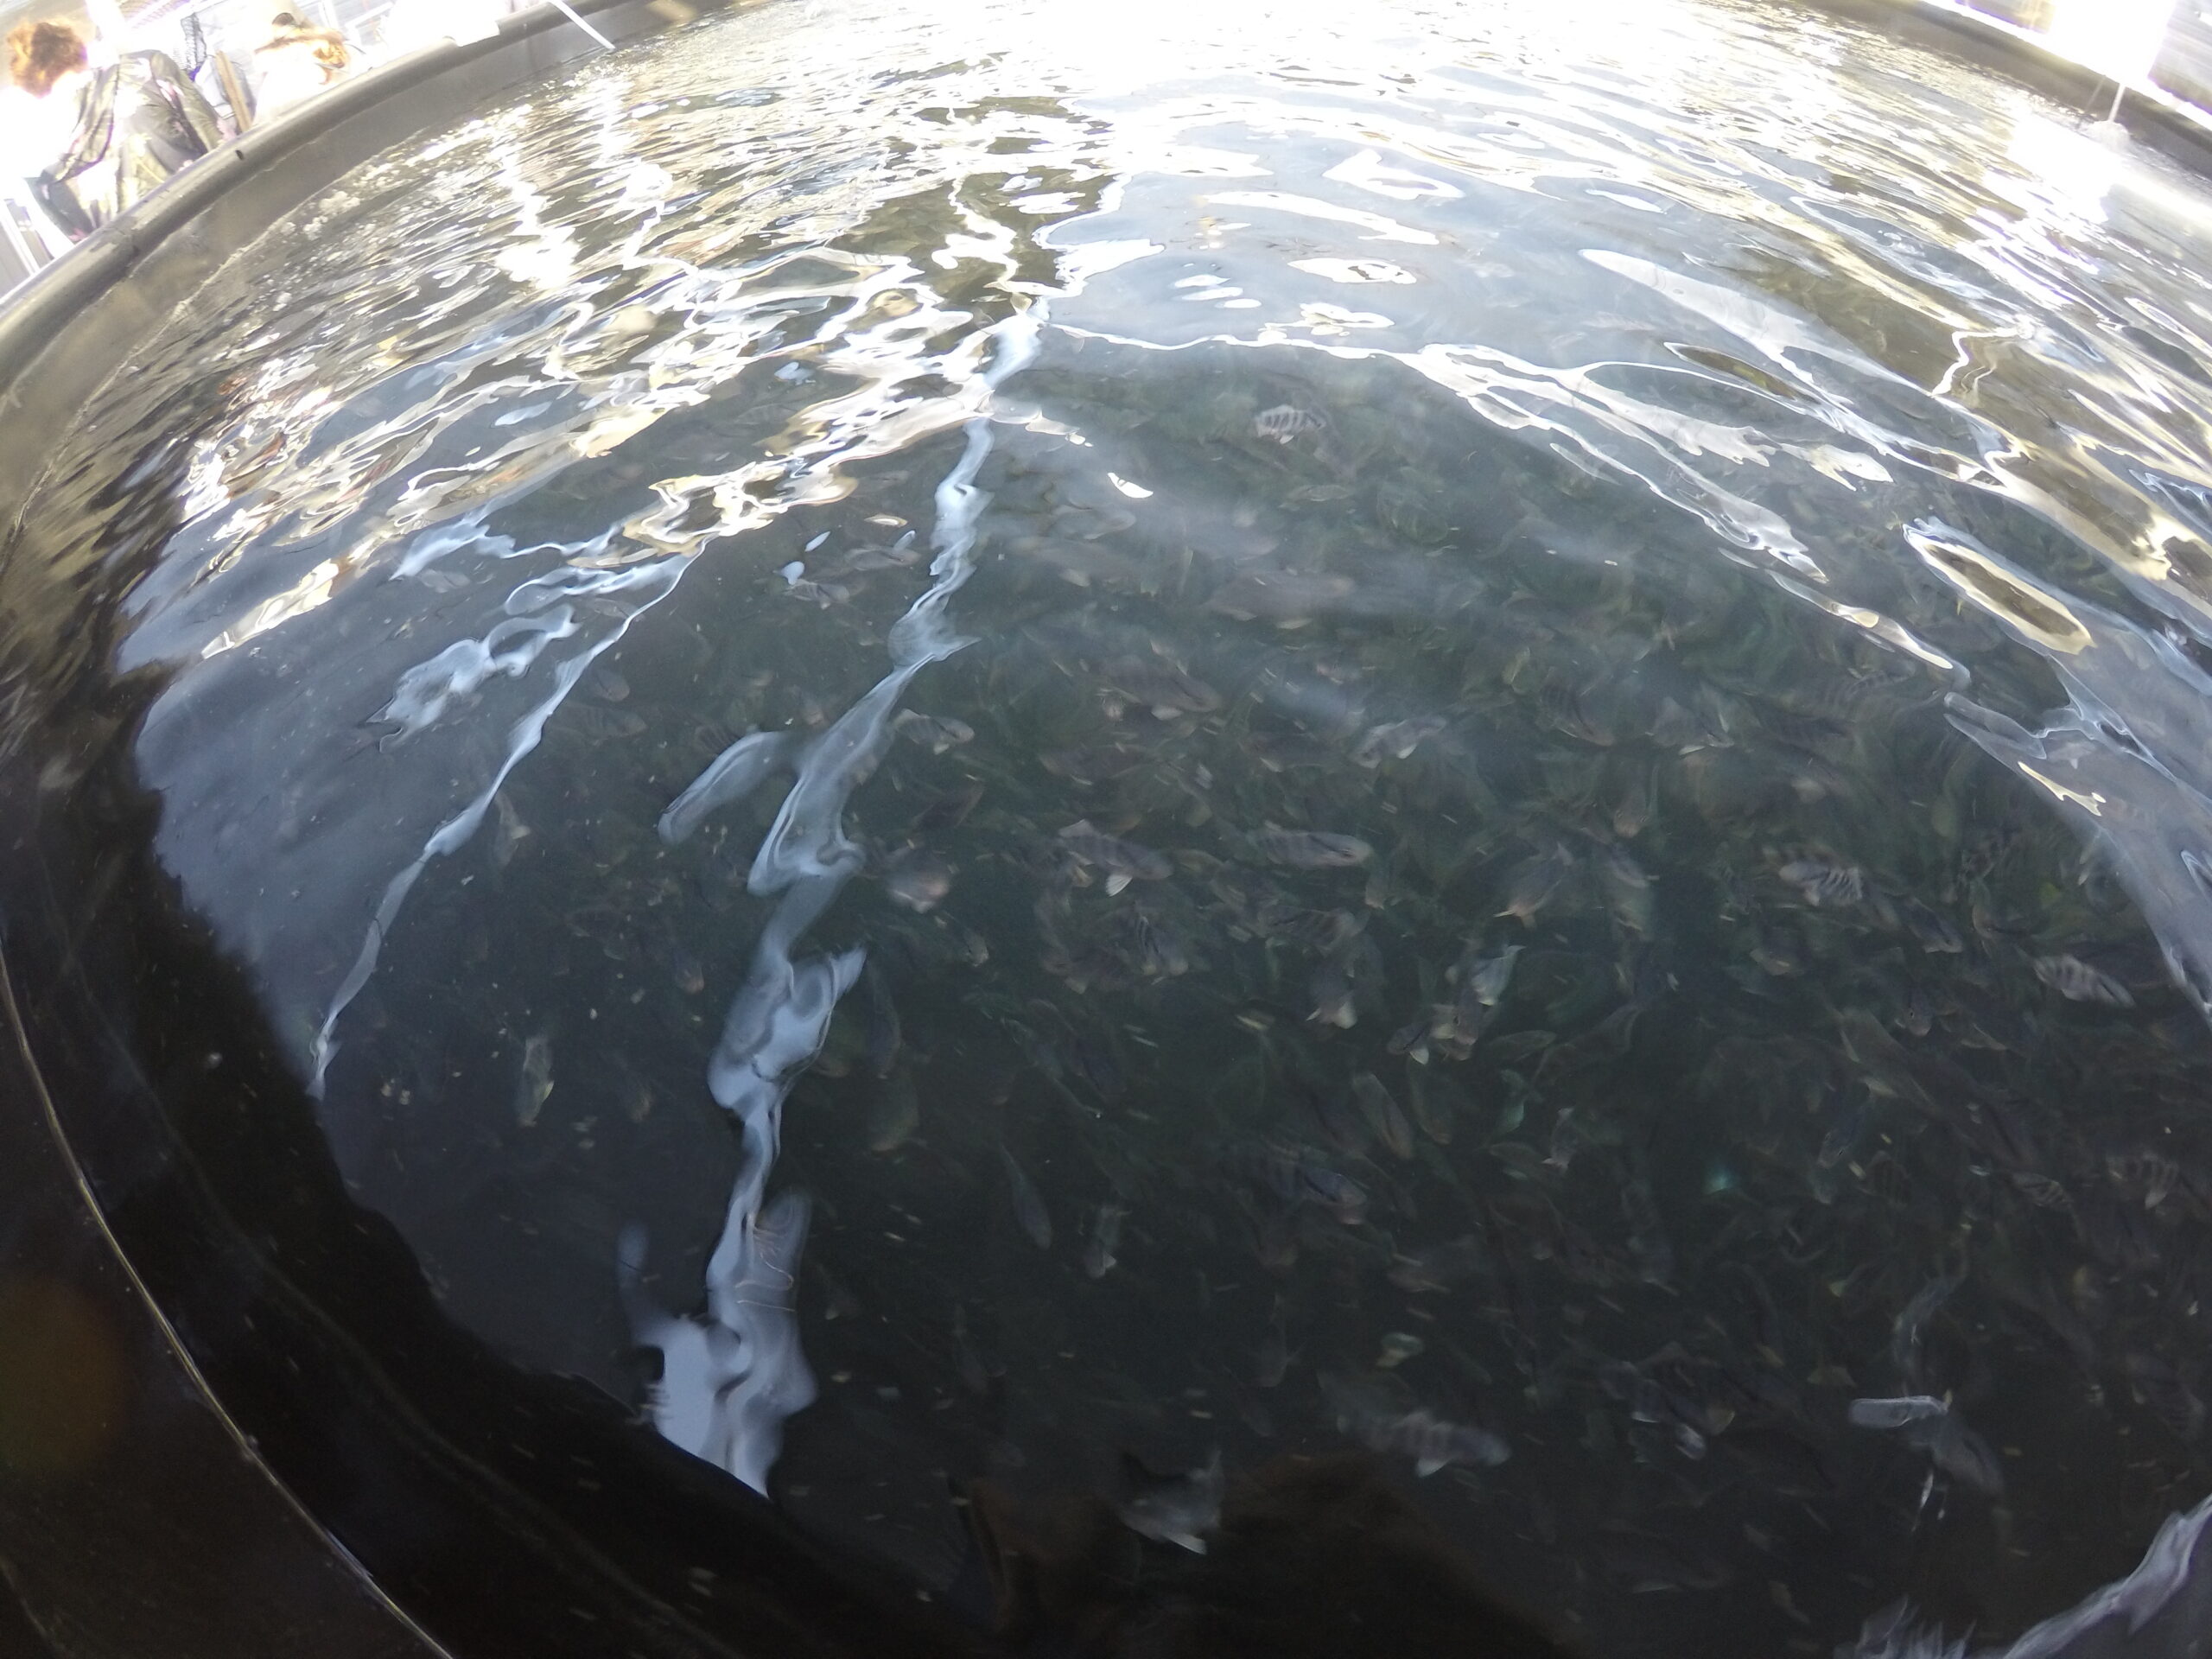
[[1479, 732]]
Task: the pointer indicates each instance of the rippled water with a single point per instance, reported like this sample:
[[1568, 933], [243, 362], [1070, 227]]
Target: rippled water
[[1708, 500]]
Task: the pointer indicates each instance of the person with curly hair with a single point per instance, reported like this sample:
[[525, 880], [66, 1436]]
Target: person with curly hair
[[295, 63], [137, 121]]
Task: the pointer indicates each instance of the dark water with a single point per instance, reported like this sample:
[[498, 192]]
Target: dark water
[[1707, 501]]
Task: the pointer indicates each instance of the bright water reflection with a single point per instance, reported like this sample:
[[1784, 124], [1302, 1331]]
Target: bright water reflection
[[1709, 511]]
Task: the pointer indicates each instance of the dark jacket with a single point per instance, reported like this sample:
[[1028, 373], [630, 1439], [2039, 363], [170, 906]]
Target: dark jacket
[[138, 120]]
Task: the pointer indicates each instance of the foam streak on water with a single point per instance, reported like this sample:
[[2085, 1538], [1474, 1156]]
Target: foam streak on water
[[730, 1379]]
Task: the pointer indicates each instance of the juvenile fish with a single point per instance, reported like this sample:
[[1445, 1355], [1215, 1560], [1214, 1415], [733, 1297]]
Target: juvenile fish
[[510, 833], [1396, 741], [884, 1034], [933, 733], [1029, 1208], [1436, 1102], [1383, 1115], [1309, 850], [1179, 1510], [1098, 1258], [1628, 889], [1898, 1413], [537, 1080], [893, 1115], [916, 880], [1371, 1417], [733, 775], [1438, 1267], [1285, 421], [1162, 687], [2075, 981], [1533, 882], [1286, 597], [1823, 884], [1485, 978], [1123, 860]]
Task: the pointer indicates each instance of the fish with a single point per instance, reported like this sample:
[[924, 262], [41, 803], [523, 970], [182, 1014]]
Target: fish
[[1824, 884], [1309, 850], [729, 777], [917, 878], [1627, 889], [1486, 977], [1286, 422], [1161, 686], [510, 832], [1272, 1362], [1436, 1102], [1396, 741], [1298, 1174], [1533, 882], [884, 1033], [1123, 861], [2077, 982], [1180, 1509], [536, 1083], [948, 811], [1098, 1258], [1330, 989], [1893, 1413], [1029, 1207], [1286, 597], [1371, 1416], [1633, 800], [1398, 1347], [894, 1113], [1383, 1114], [1440, 1267], [603, 725], [1934, 934], [933, 733]]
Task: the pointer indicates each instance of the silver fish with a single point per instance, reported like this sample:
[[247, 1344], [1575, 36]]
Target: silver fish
[[1396, 741], [1123, 861], [1285, 421], [510, 833], [2075, 981], [1823, 883], [1371, 1416], [537, 1081], [1628, 889], [1486, 977], [1098, 1258], [1383, 1115], [1533, 882], [934, 733], [1894, 1412], [893, 1115], [1309, 850], [1029, 1208], [1181, 1510], [917, 878]]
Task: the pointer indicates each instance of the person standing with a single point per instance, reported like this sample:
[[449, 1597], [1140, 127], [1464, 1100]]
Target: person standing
[[136, 122], [295, 63]]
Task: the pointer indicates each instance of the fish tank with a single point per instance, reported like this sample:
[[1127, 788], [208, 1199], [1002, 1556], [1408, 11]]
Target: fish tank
[[1239, 831]]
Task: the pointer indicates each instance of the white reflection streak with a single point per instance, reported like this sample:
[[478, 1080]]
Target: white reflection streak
[[660, 579], [732, 1374]]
